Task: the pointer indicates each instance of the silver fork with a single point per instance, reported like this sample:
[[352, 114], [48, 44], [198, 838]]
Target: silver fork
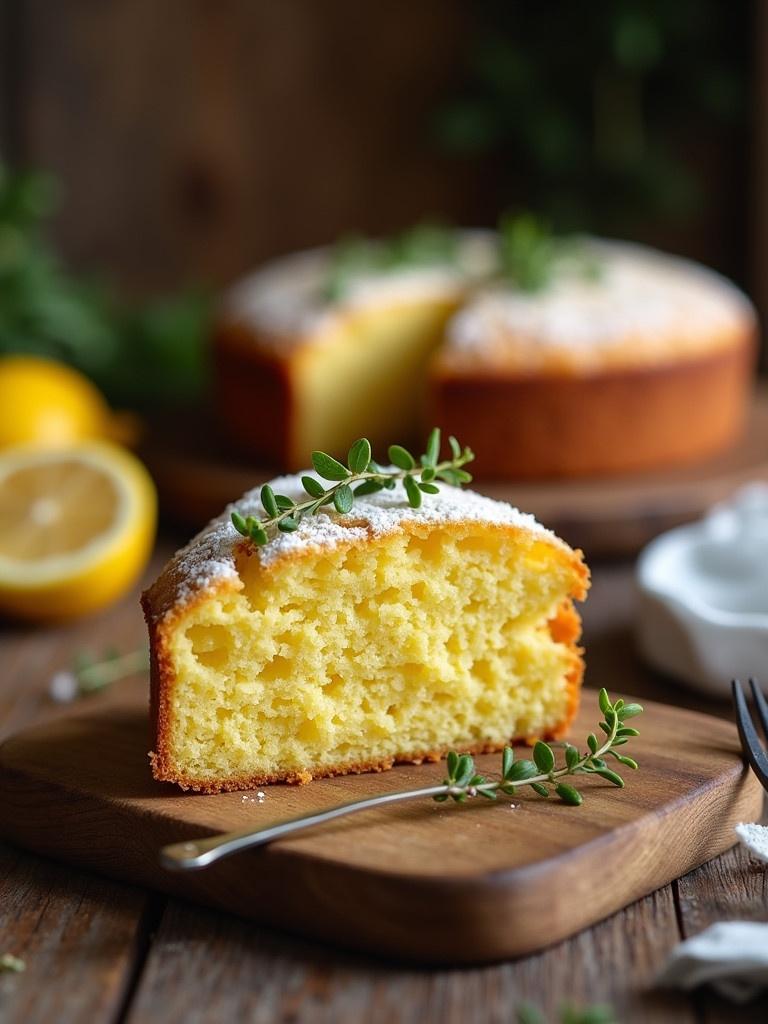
[[750, 740]]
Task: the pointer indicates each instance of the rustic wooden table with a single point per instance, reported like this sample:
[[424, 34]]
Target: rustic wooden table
[[99, 951]]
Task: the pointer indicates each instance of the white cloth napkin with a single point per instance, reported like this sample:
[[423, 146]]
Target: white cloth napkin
[[732, 956]]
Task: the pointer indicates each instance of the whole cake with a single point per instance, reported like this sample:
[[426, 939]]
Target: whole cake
[[389, 634], [620, 358]]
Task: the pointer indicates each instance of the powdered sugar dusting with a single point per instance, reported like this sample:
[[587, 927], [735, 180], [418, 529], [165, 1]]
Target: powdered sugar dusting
[[641, 299], [209, 558]]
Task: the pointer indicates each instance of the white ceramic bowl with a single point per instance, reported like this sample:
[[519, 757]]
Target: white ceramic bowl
[[703, 614]]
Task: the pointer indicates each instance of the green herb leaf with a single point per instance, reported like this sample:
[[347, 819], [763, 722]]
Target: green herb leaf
[[521, 770], [368, 487], [313, 487], [343, 499], [452, 763], [455, 447], [268, 501], [401, 457], [287, 525], [412, 491], [465, 769], [628, 762], [328, 467], [529, 1014], [428, 488], [238, 522], [359, 455], [630, 710], [540, 788], [568, 794], [604, 701], [613, 777], [258, 534], [507, 760], [433, 447], [284, 503], [543, 756], [592, 742], [571, 756]]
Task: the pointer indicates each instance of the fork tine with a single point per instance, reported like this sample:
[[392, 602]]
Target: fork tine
[[761, 704], [750, 741]]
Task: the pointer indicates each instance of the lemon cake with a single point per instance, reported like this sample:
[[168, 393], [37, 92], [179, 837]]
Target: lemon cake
[[390, 634], [645, 362]]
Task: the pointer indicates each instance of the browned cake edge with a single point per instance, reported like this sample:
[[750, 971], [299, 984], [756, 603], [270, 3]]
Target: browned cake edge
[[162, 611], [567, 424]]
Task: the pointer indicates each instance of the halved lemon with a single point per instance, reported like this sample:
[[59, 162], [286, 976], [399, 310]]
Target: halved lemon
[[76, 528]]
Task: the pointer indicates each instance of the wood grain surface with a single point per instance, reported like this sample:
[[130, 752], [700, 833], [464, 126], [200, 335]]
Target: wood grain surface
[[510, 877], [198, 474], [170, 961]]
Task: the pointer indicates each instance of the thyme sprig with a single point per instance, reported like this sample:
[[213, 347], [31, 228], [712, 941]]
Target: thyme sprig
[[541, 774], [532, 256], [360, 476], [90, 675], [423, 245]]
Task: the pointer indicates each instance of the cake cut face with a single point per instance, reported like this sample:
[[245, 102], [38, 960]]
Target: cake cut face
[[387, 635], [321, 370]]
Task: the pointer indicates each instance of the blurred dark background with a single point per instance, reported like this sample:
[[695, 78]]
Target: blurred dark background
[[192, 139]]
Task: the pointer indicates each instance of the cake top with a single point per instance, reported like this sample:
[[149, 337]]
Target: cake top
[[210, 557], [639, 305], [636, 306], [289, 301]]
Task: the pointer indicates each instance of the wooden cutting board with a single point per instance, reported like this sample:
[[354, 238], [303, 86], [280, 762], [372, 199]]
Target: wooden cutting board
[[422, 881]]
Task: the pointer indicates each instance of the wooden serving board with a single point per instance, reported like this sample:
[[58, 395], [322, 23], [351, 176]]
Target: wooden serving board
[[424, 881], [197, 475]]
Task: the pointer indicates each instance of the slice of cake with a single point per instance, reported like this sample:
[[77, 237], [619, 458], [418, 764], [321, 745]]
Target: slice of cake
[[388, 634]]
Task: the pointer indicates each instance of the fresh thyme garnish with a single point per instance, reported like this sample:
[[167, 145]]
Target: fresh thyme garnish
[[531, 255], [596, 1014], [89, 675], [359, 477], [420, 246], [541, 774]]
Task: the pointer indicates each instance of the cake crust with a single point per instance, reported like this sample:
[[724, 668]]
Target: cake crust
[[561, 424]]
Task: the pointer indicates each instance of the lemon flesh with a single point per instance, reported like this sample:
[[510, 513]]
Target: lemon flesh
[[76, 528]]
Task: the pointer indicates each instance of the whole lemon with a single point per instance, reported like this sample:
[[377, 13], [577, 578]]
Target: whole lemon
[[46, 403]]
